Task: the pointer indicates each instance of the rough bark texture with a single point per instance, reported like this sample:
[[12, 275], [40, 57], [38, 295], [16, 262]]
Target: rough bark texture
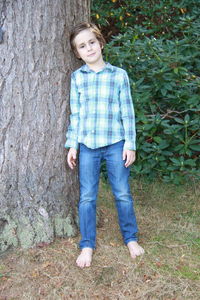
[[38, 193]]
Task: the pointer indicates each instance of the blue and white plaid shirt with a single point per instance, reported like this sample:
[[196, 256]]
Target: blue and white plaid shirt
[[102, 110]]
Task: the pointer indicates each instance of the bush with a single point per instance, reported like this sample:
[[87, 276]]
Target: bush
[[155, 18], [165, 81]]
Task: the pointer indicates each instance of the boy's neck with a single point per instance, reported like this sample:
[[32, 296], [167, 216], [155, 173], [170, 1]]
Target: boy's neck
[[98, 66]]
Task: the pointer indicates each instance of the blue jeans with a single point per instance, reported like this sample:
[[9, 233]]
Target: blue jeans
[[118, 174]]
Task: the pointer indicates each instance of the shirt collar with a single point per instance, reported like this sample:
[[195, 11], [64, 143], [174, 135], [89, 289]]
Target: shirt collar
[[86, 69]]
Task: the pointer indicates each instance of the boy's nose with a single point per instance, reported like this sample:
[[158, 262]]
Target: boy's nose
[[89, 47]]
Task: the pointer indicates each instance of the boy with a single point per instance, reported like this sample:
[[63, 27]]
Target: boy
[[102, 125]]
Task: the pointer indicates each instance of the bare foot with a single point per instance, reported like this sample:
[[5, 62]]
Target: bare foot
[[135, 249], [85, 258]]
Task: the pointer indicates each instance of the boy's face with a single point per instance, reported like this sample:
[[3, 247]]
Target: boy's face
[[88, 47]]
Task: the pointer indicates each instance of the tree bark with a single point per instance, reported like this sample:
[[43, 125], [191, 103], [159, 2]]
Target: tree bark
[[38, 192]]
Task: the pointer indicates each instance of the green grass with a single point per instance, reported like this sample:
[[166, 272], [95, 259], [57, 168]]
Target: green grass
[[169, 225], [169, 218]]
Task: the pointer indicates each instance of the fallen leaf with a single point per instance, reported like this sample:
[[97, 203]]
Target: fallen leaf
[[158, 264], [46, 264], [147, 278], [35, 274], [112, 244]]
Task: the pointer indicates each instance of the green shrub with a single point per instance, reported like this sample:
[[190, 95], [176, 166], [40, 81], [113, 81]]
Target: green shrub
[[165, 81], [153, 17]]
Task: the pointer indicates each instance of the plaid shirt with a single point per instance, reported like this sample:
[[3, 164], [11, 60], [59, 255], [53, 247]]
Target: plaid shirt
[[102, 110]]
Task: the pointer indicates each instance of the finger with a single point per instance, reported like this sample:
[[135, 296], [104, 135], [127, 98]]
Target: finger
[[73, 163], [70, 162], [127, 162], [74, 160], [124, 155], [70, 165]]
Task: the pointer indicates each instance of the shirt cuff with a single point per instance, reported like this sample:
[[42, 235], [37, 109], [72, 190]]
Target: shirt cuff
[[71, 144], [130, 145]]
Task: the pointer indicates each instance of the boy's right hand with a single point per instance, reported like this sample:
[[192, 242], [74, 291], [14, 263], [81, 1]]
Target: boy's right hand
[[71, 158]]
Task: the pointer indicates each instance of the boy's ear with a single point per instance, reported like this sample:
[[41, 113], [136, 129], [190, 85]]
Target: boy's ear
[[77, 56], [102, 46]]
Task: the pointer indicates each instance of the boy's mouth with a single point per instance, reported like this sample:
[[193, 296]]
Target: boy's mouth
[[91, 54]]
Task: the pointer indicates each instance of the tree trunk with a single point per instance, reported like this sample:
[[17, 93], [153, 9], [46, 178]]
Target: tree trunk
[[38, 192]]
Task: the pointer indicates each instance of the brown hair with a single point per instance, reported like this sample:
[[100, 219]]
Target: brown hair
[[82, 26]]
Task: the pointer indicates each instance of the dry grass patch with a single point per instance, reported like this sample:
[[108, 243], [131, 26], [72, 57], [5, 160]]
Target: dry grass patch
[[169, 270]]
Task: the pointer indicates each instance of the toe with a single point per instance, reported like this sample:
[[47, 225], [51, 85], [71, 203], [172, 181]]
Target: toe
[[87, 264], [85, 258]]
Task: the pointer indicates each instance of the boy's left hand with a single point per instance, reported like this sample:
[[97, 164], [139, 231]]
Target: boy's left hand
[[129, 156]]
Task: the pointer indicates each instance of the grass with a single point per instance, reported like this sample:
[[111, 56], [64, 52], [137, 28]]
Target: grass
[[169, 223]]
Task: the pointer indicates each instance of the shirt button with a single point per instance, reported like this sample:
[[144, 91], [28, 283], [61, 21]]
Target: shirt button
[[93, 131]]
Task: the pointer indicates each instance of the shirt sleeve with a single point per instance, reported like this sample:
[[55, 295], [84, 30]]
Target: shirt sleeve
[[127, 114], [72, 131]]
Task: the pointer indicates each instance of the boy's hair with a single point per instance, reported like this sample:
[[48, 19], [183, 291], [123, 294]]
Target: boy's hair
[[82, 26]]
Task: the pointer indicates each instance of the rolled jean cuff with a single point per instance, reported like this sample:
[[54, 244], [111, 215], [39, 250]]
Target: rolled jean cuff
[[131, 240], [87, 245]]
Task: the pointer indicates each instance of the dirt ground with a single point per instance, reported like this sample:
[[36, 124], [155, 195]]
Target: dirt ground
[[169, 270]]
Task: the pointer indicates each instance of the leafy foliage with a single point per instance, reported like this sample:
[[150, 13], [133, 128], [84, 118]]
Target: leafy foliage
[[153, 17], [162, 59]]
